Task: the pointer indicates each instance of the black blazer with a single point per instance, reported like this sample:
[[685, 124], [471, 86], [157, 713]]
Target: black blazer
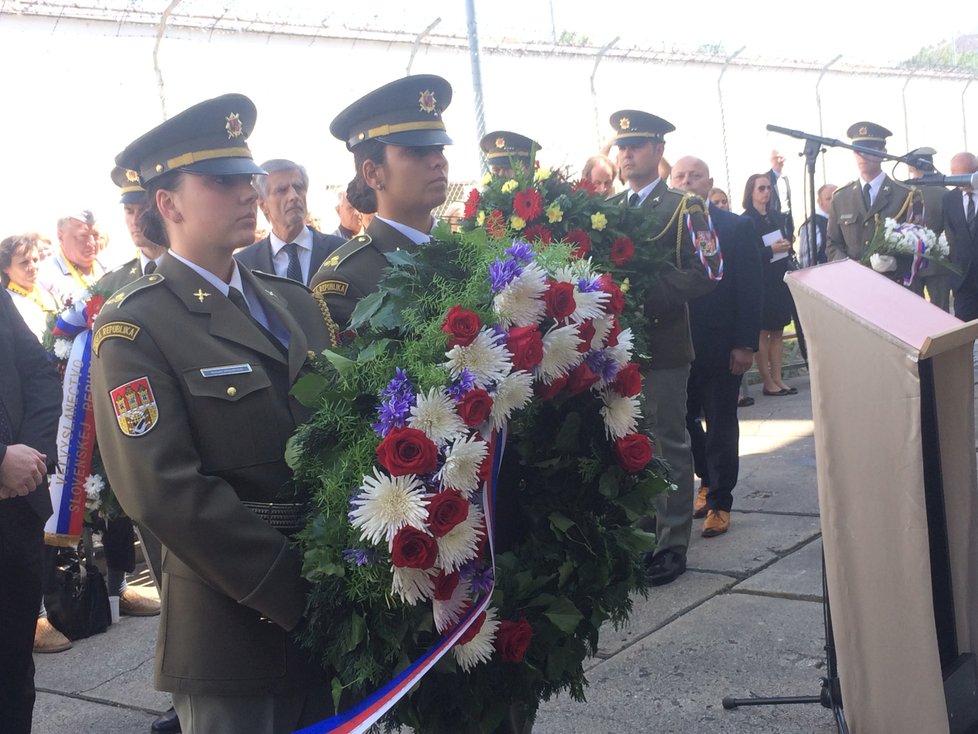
[[730, 316], [259, 255], [31, 394], [961, 239]]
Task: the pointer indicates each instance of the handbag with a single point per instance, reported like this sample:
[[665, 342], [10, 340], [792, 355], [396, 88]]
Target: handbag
[[79, 605]]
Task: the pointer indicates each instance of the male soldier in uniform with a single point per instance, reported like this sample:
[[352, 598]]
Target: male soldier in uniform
[[401, 173], [191, 376], [860, 206], [505, 150], [935, 277], [640, 140]]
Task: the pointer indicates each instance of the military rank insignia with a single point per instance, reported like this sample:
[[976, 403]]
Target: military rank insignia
[[135, 407], [427, 101], [233, 126]]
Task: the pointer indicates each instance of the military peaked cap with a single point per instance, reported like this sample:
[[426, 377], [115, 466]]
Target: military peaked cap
[[128, 182], [635, 126], [868, 132], [506, 145]]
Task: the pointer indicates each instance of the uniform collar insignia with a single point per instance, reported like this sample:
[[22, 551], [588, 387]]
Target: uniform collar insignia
[[200, 295]]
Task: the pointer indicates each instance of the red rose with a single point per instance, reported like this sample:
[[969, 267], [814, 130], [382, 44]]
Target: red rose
[[474, 407], [461, 325], [550, 391], [528, 204], [485, 469], [633, 451], [581, 379], [585, 330], [537, 232], [92, 309], [446, 510], [412, 548], [407, 451], [472, 204], [526, 346], [611, 339], [628, 383], [473, 630], [445, 585], [560, 300], [622, 250], [495, 224], [616, 303], [512, 640], [581, 240]]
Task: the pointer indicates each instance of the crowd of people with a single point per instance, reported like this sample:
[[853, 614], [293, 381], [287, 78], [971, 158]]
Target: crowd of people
[[211, 324]]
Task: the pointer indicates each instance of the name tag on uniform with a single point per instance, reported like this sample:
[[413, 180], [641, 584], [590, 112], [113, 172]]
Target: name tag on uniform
[[227, 369]]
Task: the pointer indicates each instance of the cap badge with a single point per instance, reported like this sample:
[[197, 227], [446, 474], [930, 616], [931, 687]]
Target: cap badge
[[863, 131], [500, 143], [624, 123], [132, 176], [233, 126], [427, 101]]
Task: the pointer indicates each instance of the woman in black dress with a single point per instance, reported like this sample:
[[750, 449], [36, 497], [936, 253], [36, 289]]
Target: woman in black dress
[[776, 256]]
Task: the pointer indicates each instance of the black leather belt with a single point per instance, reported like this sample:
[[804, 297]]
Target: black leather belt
[[287, 517]]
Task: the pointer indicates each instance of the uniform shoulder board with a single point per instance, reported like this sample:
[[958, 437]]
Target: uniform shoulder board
[[146, 281], [125, 266], [344, 251], [262, 275]]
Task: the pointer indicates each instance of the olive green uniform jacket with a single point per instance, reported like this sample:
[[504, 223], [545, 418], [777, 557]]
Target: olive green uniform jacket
[[670, 340], [851, 227], [205, 440]]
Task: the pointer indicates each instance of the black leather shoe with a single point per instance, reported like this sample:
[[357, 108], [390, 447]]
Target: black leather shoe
[[168, 723], [665, 567]]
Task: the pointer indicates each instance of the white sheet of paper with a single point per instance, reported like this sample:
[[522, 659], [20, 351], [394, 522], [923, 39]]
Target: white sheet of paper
[[769, 239]]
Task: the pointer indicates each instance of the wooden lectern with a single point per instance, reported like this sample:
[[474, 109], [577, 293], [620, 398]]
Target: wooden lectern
[[893, 404]]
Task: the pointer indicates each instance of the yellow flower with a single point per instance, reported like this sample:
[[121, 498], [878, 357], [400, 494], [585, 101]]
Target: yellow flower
[[599, 221], [625, 285], [480, 218], [542, 174], [554, 213], [516, 222], [510, 186], [486, 179]]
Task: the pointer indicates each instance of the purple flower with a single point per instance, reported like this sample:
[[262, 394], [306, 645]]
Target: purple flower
[[396, 401], [521, 252], [464, 383], [480, 578], [589, 285], [358, 556], [601, 363], [502, 273]]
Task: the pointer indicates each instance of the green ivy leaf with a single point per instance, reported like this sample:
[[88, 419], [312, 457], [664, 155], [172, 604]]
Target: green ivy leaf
[[308, 389], [340, 363], [610, 482], [358, 631], [564, 615], [366, 307], [373, 350], [636, 504], [561, 522]]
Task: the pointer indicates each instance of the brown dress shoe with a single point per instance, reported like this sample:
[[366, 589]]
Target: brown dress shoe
[[717, 522], [699, 506], [134, 604], [48, 639]]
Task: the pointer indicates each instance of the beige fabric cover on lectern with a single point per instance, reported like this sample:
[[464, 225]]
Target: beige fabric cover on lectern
[[865, 335]]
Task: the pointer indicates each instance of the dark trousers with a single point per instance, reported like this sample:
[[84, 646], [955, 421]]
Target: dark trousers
[[21, 544], [966, 301], [118, 540], [712, 392]]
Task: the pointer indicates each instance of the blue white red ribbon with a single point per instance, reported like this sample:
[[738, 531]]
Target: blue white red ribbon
[[919, 263], [359, 718]]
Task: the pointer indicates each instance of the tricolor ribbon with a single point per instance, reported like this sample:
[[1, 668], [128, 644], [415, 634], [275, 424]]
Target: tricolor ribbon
[[919, 263], [359, 718], [714, 273]]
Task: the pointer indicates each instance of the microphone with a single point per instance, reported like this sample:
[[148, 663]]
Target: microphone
[[936, 179]]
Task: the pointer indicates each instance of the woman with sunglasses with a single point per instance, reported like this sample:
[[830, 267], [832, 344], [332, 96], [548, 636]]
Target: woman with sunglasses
[[776, 256]]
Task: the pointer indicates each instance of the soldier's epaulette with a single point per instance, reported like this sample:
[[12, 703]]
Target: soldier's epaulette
[[120, 296], [125, 266], [344, 251], [262, 275]]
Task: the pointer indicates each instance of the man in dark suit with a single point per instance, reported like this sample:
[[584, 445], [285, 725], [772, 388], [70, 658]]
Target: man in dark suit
[[725, 325], [961, 228], [815, 255], [30, 404], [292, 249]]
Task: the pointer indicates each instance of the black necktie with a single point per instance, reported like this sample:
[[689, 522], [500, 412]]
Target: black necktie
[[237, 298], [633, 200], [150, 267], [971, 207], [867, 196], [5, 436], [294, 271]]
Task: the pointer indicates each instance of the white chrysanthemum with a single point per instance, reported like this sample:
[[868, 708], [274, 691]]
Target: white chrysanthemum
[[62, 348], [479, 648], [601, 329], [459, 544], [413, 584], [521, 302], [448, 612], [560, 353], [590, 305], [386, 504], [942, 247], [620, 414], [434, 414], [462, 461], [486, 358], [94, 485], [512, 393], [622, 351]]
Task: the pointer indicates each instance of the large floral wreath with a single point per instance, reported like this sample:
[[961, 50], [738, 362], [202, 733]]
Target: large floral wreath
[[477, 467]]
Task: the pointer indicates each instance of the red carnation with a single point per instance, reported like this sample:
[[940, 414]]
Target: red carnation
[[526, 346], [445, 585], [586, 186], [611, 340], [461, 325], [472, 204], [407, 451], [581, 379], [622, 250], [633, 451], [495, 224], [512, 640], [628, 383], [537, 232], [446, 510], [413, 548], [581, 240], [473, 630], [474, 407], [528, 204], [559, 299], [550, 391], [585, 330]]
